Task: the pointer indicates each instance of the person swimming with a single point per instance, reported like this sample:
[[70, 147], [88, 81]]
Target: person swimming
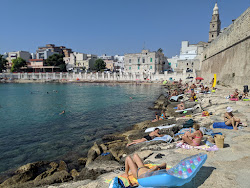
[[63, 112]]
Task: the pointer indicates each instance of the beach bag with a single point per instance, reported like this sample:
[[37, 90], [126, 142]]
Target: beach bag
[[188, 123], [219, 141]]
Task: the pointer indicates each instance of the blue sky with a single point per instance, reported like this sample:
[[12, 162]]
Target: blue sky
[[110, 26]]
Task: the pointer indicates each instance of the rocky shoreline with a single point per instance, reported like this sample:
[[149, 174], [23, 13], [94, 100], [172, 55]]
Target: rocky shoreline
[[105, 159]]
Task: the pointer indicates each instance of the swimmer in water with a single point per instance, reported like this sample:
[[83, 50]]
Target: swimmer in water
[[130, 97], [63, 112]]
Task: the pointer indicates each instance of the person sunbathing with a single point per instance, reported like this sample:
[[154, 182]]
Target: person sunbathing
[[149, 137], [181, 106], [193, 139], [202, 88], [175, 93], [235, 95], [193, 95], [137, 167], [206, 89], [161, 117], [193, 86], [230, 119]]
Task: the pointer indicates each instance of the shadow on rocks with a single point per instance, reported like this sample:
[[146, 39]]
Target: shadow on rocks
[[200, 177]]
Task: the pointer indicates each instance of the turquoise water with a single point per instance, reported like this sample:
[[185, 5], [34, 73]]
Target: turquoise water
[[31, 128]]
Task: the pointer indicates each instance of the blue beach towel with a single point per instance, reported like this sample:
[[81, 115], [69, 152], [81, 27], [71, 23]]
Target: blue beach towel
[[221, 125]]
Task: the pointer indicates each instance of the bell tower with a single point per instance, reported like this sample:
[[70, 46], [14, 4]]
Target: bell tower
[[215, 23]]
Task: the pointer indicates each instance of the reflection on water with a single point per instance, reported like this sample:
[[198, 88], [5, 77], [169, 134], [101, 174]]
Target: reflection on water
[[31, 128]]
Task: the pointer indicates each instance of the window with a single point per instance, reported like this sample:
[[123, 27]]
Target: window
[[212, 36], [187, 64], [150, 67], [138, 67], [143, 60], [192, 63], [213, 26], [151, 59], [129, 68], [138, 60], [129, 60]]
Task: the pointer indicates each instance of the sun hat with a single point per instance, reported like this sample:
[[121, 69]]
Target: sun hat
[[229, 109]]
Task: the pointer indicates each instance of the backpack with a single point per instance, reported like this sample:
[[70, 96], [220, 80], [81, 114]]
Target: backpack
[[188, 123]]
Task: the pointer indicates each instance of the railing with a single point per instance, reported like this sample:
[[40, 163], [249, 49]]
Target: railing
[[97, 76]]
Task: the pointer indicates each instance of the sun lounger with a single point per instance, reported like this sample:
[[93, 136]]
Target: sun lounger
[[160, 127], [187, 109]]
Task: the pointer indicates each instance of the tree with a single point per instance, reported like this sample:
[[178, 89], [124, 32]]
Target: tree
[[17, 64], [160, 50], [3, 62], [56, 60], [100, 64]]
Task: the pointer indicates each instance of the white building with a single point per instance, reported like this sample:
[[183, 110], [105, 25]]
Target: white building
[[106, 57], [189, 58], [44, 53], [79, 62], [145, 62], [119, 63]]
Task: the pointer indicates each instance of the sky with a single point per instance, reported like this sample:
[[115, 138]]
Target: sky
[[110, 26]]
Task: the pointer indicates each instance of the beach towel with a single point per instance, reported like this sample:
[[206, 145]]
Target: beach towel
[[124, 182], [175, 98], [206, 147], [188, 123], [165, 138], [234, 99], [221, 125], [150, 129], [246, 99], [187, 109]]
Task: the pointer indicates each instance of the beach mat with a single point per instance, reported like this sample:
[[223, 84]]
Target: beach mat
[[221, 125]]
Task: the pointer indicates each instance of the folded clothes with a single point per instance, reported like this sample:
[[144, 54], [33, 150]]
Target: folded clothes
[[221, 125]]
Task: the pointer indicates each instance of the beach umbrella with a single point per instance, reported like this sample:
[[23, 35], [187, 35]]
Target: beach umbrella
[[199, 78]]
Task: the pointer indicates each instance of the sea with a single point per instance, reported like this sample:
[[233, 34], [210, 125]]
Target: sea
[[32, 129]]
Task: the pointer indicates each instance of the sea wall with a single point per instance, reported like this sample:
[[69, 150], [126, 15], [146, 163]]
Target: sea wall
[[228, 55]]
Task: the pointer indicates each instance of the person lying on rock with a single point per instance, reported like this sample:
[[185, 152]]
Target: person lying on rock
[[193, 139], [137, 168], [149, 137], [161, 117], [230, 119], [181, 106]]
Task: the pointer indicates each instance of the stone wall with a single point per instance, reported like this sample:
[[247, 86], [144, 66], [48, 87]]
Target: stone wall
[[228, 55]]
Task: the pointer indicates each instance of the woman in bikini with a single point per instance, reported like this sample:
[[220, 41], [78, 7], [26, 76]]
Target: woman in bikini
[[151, 136], [161, 117], [193, 139], [230, 119], [137, 167]]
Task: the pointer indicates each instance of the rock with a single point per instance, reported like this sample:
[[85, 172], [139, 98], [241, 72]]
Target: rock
[[74, 173], [46, 174], [57, 177], [206, 102], [108, 157], [26, 173], [62, 166], [82, 161], [106, 166], [94, 152], [53, 165], [104, 148], [117, 152]]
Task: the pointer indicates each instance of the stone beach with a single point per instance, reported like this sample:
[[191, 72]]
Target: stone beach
[[223, 168]]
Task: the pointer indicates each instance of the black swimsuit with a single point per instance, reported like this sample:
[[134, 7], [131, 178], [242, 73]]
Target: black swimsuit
[[148, 137]]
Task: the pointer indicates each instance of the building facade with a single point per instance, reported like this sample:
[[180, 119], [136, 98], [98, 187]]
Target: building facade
[[79, 62], [14, 55], [189, 58], [44, 54], [59, 49], [119, 63], [145, 62]]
